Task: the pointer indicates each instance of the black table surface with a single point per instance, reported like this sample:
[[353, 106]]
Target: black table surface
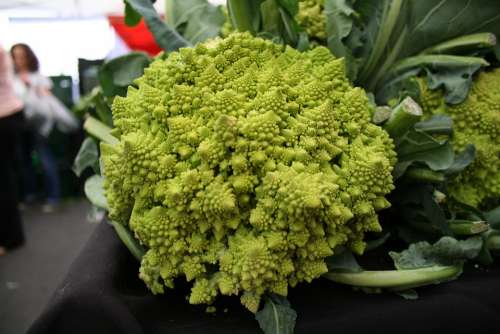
[[103, 294]]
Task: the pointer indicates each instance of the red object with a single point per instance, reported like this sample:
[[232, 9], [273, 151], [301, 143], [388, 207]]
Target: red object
[[137, 38]]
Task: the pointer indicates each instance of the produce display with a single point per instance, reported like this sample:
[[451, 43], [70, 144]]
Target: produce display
[[279, 145]]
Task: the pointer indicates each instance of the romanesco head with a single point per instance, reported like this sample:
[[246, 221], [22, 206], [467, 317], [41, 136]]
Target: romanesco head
[[475, 121], [312, 17], [243, 164]]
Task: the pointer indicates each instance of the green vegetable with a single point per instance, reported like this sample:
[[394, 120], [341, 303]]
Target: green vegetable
[[476, 121], [242, 164], [421, 264]]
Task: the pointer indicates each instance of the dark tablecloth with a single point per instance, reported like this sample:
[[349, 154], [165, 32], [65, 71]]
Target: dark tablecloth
[[103, 294]]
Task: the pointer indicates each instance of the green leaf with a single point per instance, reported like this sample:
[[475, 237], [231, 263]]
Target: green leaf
[[344, 261], [117, 74], [277, 317], [453, 73], [445, 252], [166, 37], [462, 160], [94, 190], [376, 243], [87, 156], [196, 20], [409, 294], [245, 15], [339, 23], [291, 6], [436, 125], [493, 217], [434, 214], [421, 147], [132, 18], [128, 240], [373, 36]]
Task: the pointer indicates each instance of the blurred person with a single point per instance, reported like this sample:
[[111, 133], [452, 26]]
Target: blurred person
[[11, 124], [42, 111]]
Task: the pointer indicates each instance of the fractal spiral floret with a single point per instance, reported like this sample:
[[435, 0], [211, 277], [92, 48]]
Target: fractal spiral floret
[[242, 165], [312, 17], [475, 121]]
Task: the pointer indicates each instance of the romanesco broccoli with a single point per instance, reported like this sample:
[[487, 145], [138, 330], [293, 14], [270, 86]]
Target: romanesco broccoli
[[475, 121], [242, 164], [312, 17]]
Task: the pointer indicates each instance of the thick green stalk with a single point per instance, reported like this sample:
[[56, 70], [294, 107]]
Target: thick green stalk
[[396, 279], [403, 117], [462, 44], [99, 130], [434, 61], [381, 114], [424, 174], [467, 227]]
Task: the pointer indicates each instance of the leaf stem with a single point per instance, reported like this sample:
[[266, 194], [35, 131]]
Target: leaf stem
[[467, 227], [424, 174], [403, 117], [381, 114], [99, 130], [397, 280], [463, 43]]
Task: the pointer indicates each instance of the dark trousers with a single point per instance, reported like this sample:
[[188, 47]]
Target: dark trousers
[[33, 142], [11, 230]]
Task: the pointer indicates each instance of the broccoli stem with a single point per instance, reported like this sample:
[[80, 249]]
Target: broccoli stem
[[467, 227], [402, 118], [458, 227], [463, 43], [99, 130], [396, 280], [424, 174], [381, 114]]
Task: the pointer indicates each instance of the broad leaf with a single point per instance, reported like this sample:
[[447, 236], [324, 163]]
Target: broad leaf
[[245, 15], [377, 37], [277, 317], [132, 18], [344, 261], [291, 6], [438, 124], [88, 156], [117, 74], [166, 37], [196, 20], [462, 160], [447, 251], [94, 190], [493, 217]]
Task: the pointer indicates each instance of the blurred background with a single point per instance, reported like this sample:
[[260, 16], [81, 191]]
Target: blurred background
[[68, 40]]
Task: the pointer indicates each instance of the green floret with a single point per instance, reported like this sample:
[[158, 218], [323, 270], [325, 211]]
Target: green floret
[[312, 17], [475, 121], [242, 165]]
